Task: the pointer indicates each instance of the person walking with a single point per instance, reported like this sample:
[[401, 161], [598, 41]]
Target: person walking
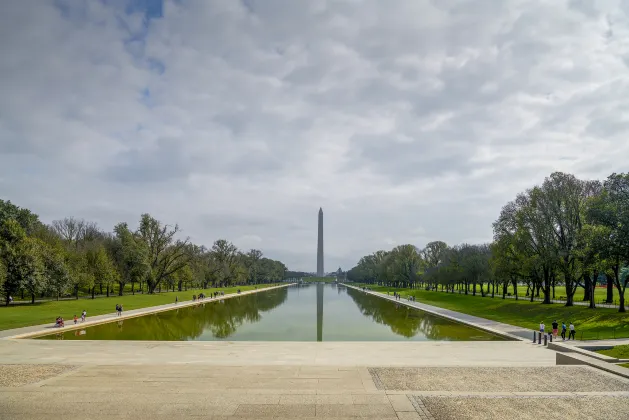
[[117, 309], [555, 328], [176, 299], [542, 327], [83, 315], [572, 332], [563, 330], [76, 319]]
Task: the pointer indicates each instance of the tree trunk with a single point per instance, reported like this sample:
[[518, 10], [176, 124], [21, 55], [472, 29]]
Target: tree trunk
[[93, 290], [22, 295], [610, 288], [504, 290], [133, 288], [101, 288], [592, 286], [621, 307], [33, 298], [76, 291], [515, 289], [120, 288], [179, 285], [474, 289], [587, 287], [108, 291]]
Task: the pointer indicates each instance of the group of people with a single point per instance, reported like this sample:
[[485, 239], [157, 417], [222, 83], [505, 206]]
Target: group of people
[[61, 323], [118, 310], [202, 296], [571, 334]]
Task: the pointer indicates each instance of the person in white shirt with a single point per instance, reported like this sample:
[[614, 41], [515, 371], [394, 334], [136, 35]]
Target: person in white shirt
[[541, 327], [572, 332]]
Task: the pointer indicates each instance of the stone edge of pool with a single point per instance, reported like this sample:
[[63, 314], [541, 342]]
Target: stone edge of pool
[[143, 311], [510, 337]]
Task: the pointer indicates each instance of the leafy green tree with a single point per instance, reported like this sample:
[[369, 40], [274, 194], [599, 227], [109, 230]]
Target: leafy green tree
[[27, 220], [22, 261], [55, 269], [610, 211], [130, 257], [100, 267], [166, 255]]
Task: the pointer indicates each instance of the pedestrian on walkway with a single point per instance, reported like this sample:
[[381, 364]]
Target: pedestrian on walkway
[[117, 310], [563, 330], [176, 299], [555, 328], [83, 315], [572, 332], [542, 327], [76, 319]]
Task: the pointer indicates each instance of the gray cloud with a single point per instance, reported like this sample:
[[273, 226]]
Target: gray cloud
[[407, 121]]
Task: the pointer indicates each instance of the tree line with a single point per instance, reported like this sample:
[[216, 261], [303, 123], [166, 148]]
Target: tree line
[[73, 256], [565, 232]]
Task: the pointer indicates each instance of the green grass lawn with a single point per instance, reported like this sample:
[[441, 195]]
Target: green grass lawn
[[590, 324], [23, 315], [619, 352], [600, 293]]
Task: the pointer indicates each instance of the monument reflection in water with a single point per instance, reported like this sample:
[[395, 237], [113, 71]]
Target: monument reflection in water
[[286, 314]]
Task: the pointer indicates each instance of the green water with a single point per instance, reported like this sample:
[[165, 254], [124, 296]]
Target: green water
[[310, 312]]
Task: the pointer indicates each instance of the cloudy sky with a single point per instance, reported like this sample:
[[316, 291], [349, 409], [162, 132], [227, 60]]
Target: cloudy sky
[[406, 120]]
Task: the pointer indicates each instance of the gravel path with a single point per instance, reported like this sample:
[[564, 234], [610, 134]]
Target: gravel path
[[591, 408], [494, 379], [18, 375]]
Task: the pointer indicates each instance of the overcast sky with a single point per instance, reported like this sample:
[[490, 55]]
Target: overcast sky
[[406, 120]]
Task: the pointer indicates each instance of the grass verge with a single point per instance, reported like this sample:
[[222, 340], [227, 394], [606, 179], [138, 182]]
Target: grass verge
[[619, 352], [591, 324], [16, 316]]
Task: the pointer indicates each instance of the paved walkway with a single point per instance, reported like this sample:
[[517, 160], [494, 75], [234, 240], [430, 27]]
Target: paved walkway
[[160, 392], [100, 319], [281, 353], [495, 327]]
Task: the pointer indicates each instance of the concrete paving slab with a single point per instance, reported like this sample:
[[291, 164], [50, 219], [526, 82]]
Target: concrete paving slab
[[401, 403], [280, 410], [351, 410], [280, 354], [596, 408], [499, 379]]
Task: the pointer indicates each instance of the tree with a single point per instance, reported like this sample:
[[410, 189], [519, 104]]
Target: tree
[[130, 256], [55, 269], [223, 262], [252, 263], [610, 211], [405, 264], [28, 221], [21, 259], [166, 255], [100, 267]]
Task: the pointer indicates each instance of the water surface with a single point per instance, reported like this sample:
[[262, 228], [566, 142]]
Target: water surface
[[310, 312]]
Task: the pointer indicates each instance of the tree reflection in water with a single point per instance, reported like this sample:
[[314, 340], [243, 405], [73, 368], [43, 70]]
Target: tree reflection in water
[[409, 322], [221, 318]]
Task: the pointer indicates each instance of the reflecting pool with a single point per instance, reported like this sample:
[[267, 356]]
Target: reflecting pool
[[310, 312]]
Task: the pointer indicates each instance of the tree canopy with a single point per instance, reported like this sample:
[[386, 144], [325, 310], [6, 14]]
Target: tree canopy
[[73, 256]]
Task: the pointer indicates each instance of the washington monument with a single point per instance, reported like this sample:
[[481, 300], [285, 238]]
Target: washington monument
[[320, 272]]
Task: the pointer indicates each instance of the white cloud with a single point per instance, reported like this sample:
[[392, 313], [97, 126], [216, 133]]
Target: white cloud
[[410, 121]]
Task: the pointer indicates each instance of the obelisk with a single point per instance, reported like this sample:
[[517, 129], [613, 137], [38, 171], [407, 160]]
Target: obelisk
[[320, 272]]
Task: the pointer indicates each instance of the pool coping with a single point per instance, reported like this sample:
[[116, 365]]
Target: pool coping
[[46, 329], [437, 311]]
